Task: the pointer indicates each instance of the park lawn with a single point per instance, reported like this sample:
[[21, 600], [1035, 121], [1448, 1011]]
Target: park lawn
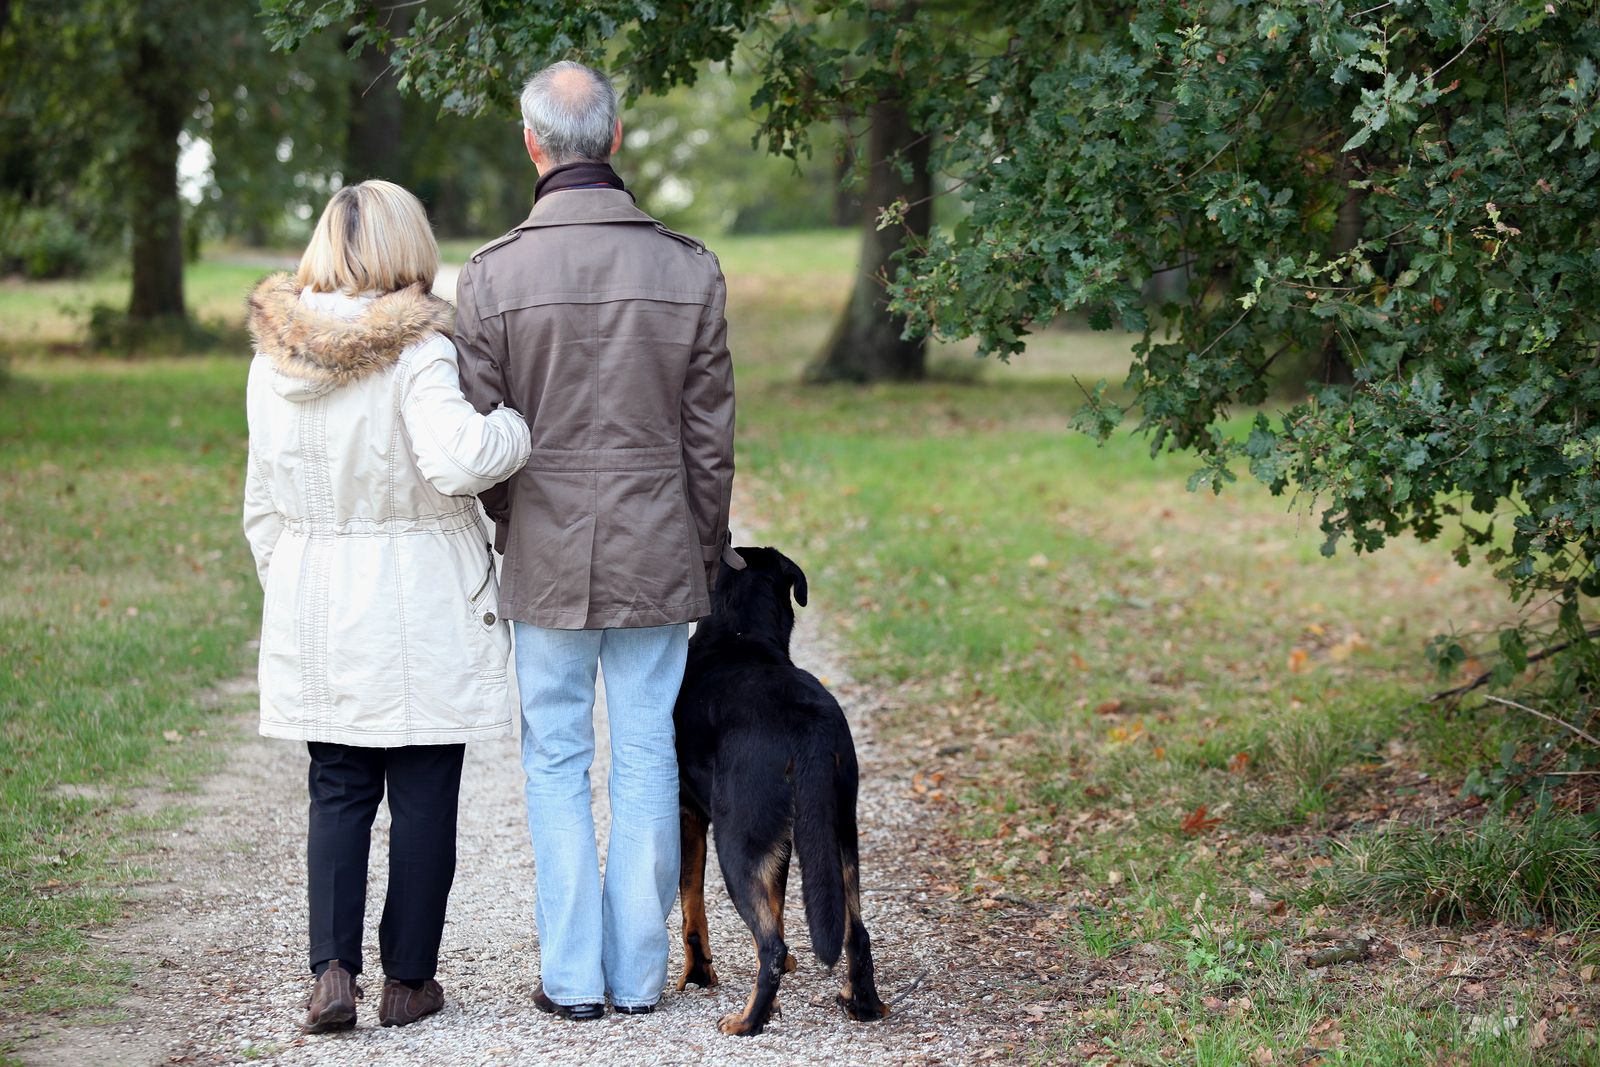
[[1083, 656], [51, 316], [125, 596]]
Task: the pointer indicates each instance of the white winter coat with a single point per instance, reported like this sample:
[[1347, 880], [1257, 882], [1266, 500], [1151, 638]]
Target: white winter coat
[[381, 622]]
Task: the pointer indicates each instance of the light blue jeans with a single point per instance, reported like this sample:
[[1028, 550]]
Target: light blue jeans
[[596, 941]]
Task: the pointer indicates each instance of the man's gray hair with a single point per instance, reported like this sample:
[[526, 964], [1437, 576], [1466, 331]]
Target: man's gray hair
[[572, 111]]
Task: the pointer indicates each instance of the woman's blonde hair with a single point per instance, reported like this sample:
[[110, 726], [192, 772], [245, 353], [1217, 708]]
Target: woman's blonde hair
[[373, 236]]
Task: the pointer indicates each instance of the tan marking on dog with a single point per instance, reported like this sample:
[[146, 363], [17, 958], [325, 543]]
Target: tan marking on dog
[[692, 895], [740, 1022]]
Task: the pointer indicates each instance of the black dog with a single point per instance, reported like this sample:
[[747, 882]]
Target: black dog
[[765, 755]]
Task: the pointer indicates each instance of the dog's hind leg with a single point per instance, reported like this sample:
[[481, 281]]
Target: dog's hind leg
[[692, 898], [859, 997], [789, 963], [755, 881]]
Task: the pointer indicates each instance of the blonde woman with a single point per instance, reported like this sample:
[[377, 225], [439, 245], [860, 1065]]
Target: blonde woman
[[382, 646]]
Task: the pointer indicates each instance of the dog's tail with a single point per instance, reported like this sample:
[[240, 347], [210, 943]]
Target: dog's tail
[[816, 842]]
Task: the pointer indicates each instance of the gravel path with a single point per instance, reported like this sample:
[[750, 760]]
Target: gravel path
[[219, 945]]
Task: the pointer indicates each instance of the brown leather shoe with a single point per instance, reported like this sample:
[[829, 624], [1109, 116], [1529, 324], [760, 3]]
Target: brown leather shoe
[[403, 1005], [333, 1001]]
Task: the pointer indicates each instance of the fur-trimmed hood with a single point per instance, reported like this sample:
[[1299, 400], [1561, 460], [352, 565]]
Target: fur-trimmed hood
[[327, 350]]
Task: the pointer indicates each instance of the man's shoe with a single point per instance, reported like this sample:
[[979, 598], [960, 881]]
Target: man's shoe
[[633, 1009], [402, 1005], [333, 1001], [581, 1013]]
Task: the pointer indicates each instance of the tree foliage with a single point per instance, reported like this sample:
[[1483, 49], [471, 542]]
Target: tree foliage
[[1223, 141]]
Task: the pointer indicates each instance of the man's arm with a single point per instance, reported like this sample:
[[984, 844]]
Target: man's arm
[[481, 358], [706, 430]]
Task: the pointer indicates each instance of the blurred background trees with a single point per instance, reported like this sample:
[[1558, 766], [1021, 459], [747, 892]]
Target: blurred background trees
[[134, 132], [828, 80]]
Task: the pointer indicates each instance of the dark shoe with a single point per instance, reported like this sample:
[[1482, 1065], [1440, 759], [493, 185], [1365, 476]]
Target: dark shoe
[[402, 1005], [333, 1001], [579, 1013], [633, 1009]]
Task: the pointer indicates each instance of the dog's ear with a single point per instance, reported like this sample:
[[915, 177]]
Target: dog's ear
[[797, 578]]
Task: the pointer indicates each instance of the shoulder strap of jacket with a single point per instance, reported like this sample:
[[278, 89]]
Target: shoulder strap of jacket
[[503, 239], [698, 247]]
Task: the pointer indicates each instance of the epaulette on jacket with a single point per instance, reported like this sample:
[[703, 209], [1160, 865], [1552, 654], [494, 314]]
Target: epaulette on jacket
[[503, 239], [698, 247]]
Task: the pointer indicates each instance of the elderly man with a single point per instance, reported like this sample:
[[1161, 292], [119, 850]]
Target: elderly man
[[606, 331]]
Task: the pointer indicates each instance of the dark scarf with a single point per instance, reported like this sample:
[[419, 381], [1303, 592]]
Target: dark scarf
[[575, 175]]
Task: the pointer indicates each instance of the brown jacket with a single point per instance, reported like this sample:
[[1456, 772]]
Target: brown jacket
[[606, 331]]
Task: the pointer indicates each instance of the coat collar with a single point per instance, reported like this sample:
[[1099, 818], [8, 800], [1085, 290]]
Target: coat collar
[[316, 345], [577, 207]]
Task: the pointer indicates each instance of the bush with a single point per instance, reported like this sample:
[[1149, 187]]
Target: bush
[[43, 242]]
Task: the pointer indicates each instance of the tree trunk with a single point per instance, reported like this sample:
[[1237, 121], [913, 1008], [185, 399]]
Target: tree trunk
[[447, 203], [160, 102], [1333, 366], [374, 130], [866, 345], [846, 201]]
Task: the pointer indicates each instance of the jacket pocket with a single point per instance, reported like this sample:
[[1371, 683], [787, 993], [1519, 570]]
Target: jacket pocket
[[489, 633]]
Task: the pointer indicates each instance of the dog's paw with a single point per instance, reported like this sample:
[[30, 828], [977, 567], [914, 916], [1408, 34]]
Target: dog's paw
[[736, 1024], [700, 974], [864, 1011]]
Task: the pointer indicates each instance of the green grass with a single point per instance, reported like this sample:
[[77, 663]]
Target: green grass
[[1524, 872], [51, 316], [124, 595]]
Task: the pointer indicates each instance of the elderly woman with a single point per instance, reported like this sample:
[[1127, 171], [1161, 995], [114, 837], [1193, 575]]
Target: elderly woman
[[381, 642]]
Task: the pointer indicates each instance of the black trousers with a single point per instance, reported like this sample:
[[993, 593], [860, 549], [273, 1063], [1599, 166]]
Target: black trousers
[[346, 785]]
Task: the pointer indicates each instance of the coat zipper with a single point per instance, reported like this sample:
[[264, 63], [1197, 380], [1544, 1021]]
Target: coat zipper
[[485, 584]]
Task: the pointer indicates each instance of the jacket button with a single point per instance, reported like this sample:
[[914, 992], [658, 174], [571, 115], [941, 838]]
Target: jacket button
[[488, 618]]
